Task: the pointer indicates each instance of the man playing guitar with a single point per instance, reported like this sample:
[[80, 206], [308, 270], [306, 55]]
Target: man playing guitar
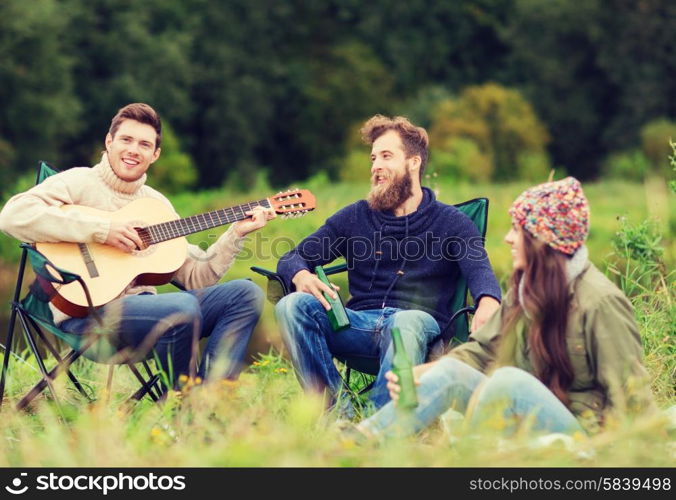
[[226, 313]]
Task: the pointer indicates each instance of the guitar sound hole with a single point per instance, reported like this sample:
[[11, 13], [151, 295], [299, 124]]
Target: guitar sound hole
[[145, 252]]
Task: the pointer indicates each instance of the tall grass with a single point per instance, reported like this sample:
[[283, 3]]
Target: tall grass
[[264, 419]]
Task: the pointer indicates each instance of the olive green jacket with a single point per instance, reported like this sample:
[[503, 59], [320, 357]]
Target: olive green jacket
[[604, 348]]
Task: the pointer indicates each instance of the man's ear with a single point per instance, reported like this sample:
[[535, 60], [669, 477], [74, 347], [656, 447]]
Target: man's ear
[[156, 155], [109, 140], [416, 161]]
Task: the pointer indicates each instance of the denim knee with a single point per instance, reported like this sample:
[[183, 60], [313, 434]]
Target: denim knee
[[295, 304], [503, 380], [185, 314], [250, 293], [419, 323]]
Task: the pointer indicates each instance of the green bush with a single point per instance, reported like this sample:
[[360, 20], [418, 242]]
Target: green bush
[[628, 165], [356, 166], [655, 143], [503, 125], [638, 256], [174, 171], [461, 159]]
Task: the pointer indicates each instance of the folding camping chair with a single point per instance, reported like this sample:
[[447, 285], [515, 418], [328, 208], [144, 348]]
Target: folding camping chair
[[36, 320], [457, 331]]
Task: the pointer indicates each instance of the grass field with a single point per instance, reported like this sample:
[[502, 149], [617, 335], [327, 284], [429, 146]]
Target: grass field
[[265, 420]]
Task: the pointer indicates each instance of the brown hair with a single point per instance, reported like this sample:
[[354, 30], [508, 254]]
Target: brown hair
[[139, 112], [414, 139], [546, 302]]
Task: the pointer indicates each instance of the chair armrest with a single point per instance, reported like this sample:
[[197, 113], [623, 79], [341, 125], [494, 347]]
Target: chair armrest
[[338, 268], [42, 265], [276, 287], [264, 272], [459, 312]]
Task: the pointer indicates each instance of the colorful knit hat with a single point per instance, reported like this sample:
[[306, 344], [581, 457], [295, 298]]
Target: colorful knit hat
[[556, 213]]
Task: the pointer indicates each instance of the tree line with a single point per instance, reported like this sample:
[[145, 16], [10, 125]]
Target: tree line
[[246, 86]]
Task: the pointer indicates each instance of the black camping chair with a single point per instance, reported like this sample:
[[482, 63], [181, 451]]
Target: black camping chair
[[36, 320], [457, 331]]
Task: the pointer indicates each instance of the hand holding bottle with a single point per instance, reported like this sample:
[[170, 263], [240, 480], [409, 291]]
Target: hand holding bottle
[[393, 381]]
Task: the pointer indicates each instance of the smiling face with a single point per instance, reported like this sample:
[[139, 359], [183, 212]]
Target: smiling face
[[514, 238], [132, 150], [391, 182]]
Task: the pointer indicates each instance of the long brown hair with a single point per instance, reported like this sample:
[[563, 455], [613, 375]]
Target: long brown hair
[[545, 302]]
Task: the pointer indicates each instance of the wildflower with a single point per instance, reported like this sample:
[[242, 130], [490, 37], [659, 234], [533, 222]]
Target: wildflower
[[281, 370]]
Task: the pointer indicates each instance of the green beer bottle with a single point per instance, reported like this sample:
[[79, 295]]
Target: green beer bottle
[[403, 369], [337, 314]]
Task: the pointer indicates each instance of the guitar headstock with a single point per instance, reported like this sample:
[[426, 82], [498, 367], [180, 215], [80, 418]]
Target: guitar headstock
[[293, 203]]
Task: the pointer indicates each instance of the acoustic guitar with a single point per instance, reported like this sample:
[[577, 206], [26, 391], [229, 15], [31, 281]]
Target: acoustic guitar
[[108, 271]]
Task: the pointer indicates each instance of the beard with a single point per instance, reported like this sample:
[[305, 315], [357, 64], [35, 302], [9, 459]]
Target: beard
[[390, 196]]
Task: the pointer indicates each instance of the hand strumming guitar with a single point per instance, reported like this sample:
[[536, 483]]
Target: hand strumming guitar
[[123, 236]]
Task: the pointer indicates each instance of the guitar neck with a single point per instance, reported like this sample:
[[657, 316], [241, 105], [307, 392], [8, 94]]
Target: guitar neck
[[196, 223]]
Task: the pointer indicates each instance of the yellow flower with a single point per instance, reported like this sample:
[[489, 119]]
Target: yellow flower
[[155, 432]]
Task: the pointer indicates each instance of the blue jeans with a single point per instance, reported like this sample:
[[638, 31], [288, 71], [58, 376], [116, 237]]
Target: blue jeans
[[450, 384], [225, 313], [312, 343]]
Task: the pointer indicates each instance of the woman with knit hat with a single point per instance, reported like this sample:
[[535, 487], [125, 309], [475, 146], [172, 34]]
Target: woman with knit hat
[[562, 352]]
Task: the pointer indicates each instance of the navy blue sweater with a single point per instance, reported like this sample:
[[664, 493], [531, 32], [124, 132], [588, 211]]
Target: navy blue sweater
[[409, 262]]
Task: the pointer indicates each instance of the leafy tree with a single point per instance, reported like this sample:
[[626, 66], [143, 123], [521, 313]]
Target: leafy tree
[[174, 171], [127, 51], [39, 108], [501, 123], [634, 46], [554, 61]]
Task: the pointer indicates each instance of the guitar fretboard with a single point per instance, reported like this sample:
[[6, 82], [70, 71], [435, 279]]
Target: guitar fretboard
[[196, 223]]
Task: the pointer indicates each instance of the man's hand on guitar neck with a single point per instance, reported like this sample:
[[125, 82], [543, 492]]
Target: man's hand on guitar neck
[[258, 217], [123, 236]]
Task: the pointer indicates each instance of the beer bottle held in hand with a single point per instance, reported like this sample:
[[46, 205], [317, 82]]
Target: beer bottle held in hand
[[403, 369], [337, 314]]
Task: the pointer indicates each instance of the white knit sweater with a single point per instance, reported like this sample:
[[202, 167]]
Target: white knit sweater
[[34, 216]]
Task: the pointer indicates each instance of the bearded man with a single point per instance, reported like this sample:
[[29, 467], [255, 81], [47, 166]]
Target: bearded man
[[404, 251]]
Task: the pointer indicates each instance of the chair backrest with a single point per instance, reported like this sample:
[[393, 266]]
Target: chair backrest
[[36, 301], [477, 211], [44, 170]]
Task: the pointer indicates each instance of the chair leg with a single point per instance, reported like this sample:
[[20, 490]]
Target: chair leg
[[146, 386], [46, 376], [156, 385], [12, 323], [67, 361], [57, 356], [8, 353], [40, 386]]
